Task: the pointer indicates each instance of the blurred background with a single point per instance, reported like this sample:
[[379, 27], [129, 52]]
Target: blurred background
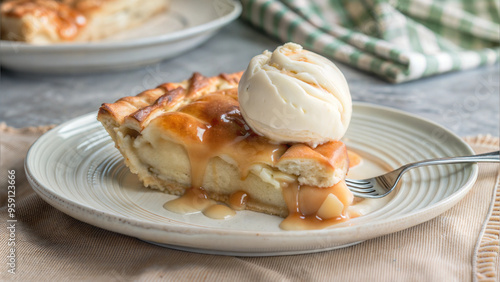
[[465, 101]]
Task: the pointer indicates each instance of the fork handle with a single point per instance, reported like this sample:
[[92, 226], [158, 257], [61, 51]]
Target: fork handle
[[491, 157]]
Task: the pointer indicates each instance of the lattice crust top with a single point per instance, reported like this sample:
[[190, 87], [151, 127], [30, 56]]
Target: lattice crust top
[[138, 111]]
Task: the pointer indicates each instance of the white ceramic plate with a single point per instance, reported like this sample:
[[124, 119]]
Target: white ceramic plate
[[186, 24], [76, 169]]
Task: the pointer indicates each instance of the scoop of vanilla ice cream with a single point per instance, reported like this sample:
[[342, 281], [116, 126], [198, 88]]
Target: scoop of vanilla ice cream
[[294, 95]]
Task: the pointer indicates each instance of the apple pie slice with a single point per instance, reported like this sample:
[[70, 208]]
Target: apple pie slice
[[53, 21], [190, 139]]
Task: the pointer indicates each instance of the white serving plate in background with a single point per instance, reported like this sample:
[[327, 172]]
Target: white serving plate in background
[[186, 24]]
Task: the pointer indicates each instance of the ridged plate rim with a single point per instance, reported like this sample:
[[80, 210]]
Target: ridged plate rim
[[139, 229]]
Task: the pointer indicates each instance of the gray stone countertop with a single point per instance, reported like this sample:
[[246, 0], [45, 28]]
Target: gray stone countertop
[[465, 102]]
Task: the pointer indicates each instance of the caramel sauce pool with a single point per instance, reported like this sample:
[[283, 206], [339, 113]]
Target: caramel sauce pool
[[209, 127], [194, 200], [219, 212]]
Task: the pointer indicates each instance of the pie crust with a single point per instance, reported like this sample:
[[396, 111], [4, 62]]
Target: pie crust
[[191, 135]]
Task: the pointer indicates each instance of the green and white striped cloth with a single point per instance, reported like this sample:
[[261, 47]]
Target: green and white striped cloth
[[399, 40]]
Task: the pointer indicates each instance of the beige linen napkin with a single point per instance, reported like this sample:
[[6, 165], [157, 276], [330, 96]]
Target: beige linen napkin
[[460, 245]]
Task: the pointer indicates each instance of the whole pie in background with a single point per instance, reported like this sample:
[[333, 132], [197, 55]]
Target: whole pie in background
[[54, 21]]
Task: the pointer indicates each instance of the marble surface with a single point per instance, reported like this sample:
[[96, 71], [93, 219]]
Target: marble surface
[[465, 102]]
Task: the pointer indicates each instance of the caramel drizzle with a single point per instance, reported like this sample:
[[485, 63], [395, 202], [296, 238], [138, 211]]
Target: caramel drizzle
[[216, 127], [193, 200], [239, 142], [238, 200]]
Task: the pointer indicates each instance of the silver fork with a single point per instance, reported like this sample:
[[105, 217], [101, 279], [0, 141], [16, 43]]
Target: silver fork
[[381, 186]]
